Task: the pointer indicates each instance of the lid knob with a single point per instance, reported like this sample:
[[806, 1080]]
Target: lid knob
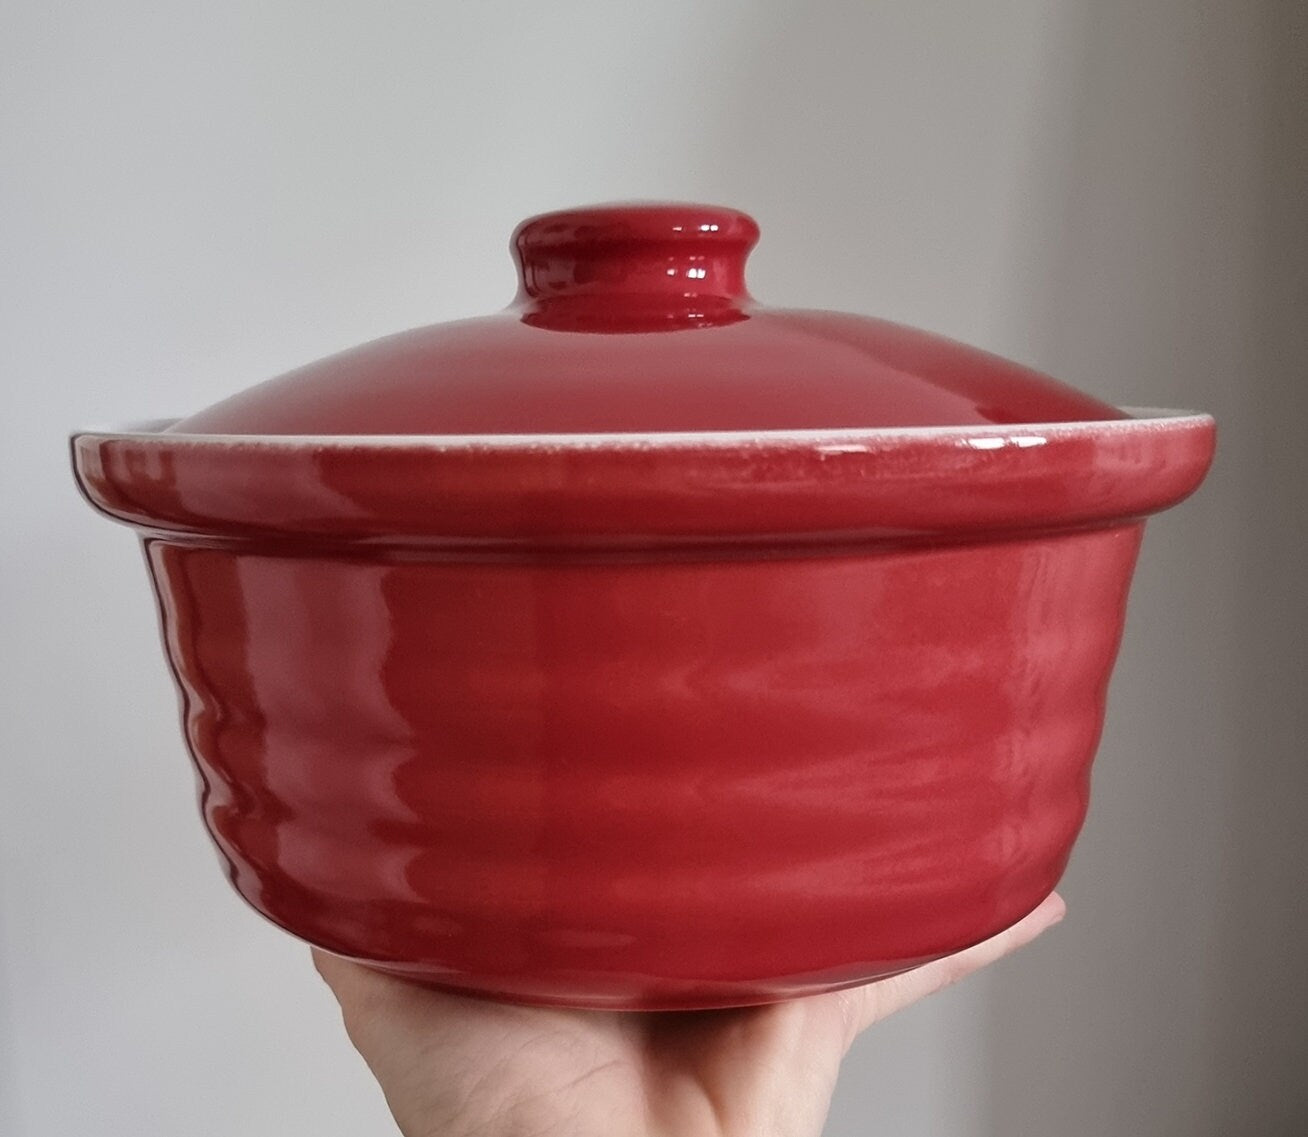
[[637, 249]]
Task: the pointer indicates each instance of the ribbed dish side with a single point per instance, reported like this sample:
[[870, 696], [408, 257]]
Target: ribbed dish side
[[659, 782]]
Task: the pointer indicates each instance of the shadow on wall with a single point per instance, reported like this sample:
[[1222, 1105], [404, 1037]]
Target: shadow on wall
[[881, 146], [1132, 220], [1174, 257]]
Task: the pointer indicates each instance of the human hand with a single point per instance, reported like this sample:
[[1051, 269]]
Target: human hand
[[452, 1066]]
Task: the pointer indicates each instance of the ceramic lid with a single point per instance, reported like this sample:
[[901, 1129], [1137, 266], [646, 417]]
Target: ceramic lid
[[636, 318]]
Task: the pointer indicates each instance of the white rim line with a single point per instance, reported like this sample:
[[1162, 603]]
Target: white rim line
[[843, 439]]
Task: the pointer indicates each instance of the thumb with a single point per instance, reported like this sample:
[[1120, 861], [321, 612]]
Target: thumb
[[863, 1006]]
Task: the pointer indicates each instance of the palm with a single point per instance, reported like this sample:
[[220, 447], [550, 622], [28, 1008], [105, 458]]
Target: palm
[[455, 1066]]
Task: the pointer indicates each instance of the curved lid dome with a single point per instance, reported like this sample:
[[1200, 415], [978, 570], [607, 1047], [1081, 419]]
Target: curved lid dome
[[635, 318]]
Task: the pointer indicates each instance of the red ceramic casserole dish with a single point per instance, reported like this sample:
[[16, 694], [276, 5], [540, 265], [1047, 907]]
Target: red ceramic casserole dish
[[641, 646]]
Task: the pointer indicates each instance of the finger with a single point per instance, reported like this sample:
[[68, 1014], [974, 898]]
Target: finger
[[372, 1002], [346, 979], [361, 989], [864, 1006], [381, 1010], [351, 984]]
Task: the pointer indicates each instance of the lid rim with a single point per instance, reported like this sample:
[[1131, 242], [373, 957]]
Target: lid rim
[[148, 430]]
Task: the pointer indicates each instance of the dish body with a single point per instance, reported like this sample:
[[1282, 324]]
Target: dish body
[[645, 721]]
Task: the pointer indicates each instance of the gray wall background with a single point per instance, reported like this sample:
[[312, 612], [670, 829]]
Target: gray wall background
[[196, 197]]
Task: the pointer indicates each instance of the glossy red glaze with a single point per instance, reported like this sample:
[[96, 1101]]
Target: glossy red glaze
[[636, 318], [643, 720], [667, 782]]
